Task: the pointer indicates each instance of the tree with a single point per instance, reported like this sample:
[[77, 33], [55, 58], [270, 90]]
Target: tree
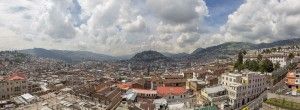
[[254, 65], [239, 63], [273, 49], [279, 48], [247, 63], [244, 52], [259, 57], [267, 51], [251, 65], [266, 66], [277, 65], [290, 56]]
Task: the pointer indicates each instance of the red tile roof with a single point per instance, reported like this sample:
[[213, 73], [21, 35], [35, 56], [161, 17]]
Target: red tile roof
[[125, 86], [163, 91], [17, 76]]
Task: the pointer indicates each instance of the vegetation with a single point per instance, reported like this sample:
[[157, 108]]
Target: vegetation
[[290, 56], [252, 65], [282, 103], [239, 63], [266, 66], [262, 65], [259, 57], [277, 66]]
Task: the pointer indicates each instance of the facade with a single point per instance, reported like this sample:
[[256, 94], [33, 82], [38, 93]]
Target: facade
[[188, 74], [174, 81], [195, 84], [13, 85], [292, 79], [144, 93], [243, 87]]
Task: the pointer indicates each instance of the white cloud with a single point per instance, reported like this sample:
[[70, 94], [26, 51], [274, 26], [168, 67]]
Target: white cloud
[[264, 21], [127, 26], [136, 26]]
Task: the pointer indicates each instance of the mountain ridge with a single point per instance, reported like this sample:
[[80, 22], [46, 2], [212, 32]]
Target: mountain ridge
[[224, 50], [150, 56], [67, 55]]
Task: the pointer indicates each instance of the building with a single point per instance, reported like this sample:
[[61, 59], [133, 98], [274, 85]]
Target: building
[[108, 96], [188, 74], [13, 85], [243, 87], [174, 81], [172, 94], [196, 84], [144, 93], [292, 79], [215, 93]]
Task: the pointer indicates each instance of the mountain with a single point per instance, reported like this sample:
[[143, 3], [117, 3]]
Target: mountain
[[221, 51], [197, 50], [228, 49], [150, 56], [295, 41], [66, 55], [176, 56]]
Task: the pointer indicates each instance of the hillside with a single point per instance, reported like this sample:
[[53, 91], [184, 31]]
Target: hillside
[[68, 56], [232, 48], [149, 56]]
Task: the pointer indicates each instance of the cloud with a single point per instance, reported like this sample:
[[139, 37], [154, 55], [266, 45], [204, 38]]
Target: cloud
[[178, 11], [136, 26], [57, 21], [128, 26], [264, 21]]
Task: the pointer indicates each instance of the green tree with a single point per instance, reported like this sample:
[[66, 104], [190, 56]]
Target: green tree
[[290, 56], [239, 63], [259, 57], [273, 49], [279, 48], [254, 65], [266, 66], [247, 64], [244, 52], [277, 65]]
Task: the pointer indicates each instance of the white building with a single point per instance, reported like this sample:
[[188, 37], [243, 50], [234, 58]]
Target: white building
[[243, 87], [215, 93]]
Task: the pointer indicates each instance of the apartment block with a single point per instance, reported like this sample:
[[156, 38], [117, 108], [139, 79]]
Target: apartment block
[[243, 87]]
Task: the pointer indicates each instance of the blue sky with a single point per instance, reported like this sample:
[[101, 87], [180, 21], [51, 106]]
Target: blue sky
[[219, 10]]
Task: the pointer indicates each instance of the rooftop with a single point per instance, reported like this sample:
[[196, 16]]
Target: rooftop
[[162, 91], [215, 89], [144, 91]]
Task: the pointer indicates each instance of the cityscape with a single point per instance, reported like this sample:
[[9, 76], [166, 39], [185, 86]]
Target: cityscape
[[150, 55]]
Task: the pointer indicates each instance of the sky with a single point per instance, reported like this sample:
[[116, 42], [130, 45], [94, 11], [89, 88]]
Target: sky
[[122, 27]]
